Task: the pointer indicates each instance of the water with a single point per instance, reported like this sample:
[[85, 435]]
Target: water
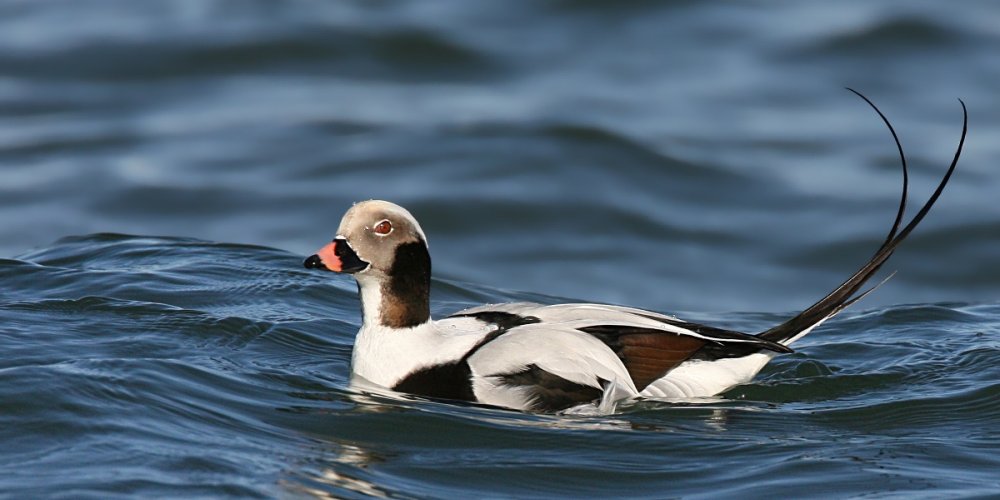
[[694, 158]]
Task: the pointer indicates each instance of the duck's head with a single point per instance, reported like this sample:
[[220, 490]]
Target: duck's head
[[382, 245], [372, 238]]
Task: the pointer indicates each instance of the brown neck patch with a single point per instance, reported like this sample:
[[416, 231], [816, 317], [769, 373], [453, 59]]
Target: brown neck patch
[[406, 296]]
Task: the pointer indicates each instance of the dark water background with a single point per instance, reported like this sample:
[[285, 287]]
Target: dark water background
[[699, 158]]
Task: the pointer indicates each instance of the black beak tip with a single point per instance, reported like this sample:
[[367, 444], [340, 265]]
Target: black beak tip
[[314, 262]]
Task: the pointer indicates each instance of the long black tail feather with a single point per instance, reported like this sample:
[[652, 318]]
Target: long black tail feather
[[844, 295]]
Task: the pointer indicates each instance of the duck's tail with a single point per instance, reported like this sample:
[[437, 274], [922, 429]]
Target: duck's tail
[[848, 291]]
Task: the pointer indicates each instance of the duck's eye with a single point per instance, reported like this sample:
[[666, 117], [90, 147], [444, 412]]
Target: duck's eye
[[383, 228]]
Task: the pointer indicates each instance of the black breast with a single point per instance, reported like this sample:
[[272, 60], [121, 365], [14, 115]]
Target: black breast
[[445, 381]]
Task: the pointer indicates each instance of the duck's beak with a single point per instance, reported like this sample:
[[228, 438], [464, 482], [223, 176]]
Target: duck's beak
[[337, 256]]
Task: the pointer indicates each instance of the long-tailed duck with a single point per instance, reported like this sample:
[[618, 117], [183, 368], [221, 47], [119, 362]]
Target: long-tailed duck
[[551, 358]]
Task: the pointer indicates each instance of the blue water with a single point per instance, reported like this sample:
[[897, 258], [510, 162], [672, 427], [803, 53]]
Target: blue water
[[165, 166]]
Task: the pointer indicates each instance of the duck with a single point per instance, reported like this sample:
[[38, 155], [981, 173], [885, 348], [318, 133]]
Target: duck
[[554, 358]]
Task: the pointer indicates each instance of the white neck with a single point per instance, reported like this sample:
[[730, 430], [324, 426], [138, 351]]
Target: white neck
[[371, 299]]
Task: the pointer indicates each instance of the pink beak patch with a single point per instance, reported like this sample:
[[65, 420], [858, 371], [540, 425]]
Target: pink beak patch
[[328, 256]]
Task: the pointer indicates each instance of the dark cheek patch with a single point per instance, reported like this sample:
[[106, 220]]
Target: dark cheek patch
[[406, 294]]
